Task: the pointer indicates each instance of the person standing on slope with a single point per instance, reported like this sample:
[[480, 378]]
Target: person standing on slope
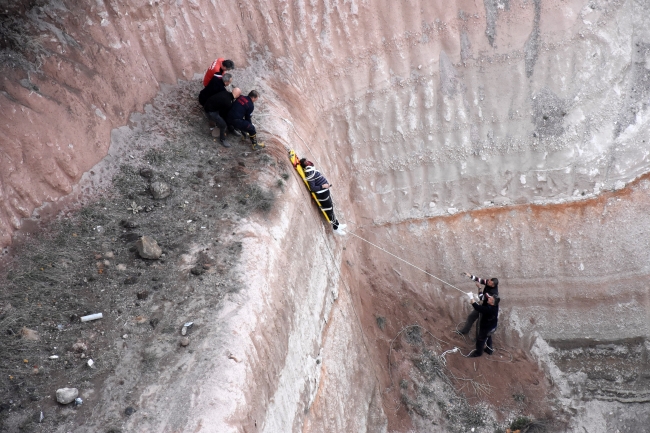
[[489, 312], [490, 286]]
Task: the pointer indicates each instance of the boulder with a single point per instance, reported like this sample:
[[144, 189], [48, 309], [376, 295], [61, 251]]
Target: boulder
[[148, 248], [160, 190], [66, 395]]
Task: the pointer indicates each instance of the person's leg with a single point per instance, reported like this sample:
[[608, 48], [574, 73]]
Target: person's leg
[[232, 130], [325, 200], [480, 344], [471, 318], [489, 349], [221, 124]]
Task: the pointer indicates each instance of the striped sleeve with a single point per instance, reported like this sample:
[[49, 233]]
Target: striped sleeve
[[479, 280]]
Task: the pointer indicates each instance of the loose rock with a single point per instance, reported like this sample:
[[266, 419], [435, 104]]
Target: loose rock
[[147, 173], [129, 411], [142, 295], [185, 341], [197, 270], [29, 334], [66, 395], [148, 248], [160, 190]]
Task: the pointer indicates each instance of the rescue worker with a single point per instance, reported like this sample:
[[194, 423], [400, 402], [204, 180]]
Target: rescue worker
[[321, 187], [489, 312], [239, 117], [217, 84], [218, 67], [217, 108], [490, 286]]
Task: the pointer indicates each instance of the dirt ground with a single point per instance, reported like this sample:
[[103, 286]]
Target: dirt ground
[[84, 262]]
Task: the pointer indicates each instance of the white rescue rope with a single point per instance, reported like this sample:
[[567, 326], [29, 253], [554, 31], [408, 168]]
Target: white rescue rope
[[407, 262]]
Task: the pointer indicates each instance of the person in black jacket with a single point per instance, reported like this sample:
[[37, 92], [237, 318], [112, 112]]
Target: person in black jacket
[[217, 108], [489, 312], [217, 84], [239, 117], [490, 286], [321, 187]]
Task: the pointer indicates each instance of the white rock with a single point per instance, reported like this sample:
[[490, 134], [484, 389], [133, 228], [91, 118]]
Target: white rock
[[66, 395]]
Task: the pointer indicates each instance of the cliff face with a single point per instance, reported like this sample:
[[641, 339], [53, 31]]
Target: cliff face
[[416, 111], [430, 105]]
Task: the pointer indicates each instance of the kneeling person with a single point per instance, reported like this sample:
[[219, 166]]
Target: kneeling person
[[239, 116]]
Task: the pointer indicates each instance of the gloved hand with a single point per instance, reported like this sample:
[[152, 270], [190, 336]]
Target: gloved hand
[[471, 296]]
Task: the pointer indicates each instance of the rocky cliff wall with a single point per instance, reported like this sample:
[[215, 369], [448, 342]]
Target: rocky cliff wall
[[415, 110]]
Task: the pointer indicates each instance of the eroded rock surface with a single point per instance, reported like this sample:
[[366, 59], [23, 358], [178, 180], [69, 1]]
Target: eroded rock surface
[[425, 116]]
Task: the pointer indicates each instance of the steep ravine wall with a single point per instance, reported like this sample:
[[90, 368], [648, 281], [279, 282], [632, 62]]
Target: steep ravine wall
[[413, 111]]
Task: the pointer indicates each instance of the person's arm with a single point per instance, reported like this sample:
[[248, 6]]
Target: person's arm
[[475, 278], [483, 309], [249, 111]]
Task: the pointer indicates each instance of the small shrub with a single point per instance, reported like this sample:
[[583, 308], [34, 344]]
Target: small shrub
[[260, 199], [155, 157], [520, 423], [381, 322]]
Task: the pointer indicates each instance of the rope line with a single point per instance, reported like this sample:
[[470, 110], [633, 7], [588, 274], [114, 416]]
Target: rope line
[[407, 262]]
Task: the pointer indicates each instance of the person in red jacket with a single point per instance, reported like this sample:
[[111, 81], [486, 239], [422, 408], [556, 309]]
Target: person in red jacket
[[218, 67]]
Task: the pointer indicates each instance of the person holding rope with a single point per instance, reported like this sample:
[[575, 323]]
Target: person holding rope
[[489, 312], [491, 287], [321, 187]]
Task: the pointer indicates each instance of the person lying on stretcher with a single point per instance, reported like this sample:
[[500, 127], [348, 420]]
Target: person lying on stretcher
[[321, 187]]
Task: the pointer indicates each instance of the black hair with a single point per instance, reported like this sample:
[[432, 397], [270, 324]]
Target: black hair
[[253, 94], [496, 299], [228, 64], [495, 281]]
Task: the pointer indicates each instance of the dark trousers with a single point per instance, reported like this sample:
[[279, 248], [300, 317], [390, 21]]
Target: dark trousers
[[243, 126], [470, 321], [325, 200], [221, 124], [484, 337]]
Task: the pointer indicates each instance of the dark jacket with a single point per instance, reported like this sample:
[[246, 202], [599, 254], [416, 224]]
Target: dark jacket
[[489, 315], [221, 103], [242, 108], [214, 86], [316, 181]]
